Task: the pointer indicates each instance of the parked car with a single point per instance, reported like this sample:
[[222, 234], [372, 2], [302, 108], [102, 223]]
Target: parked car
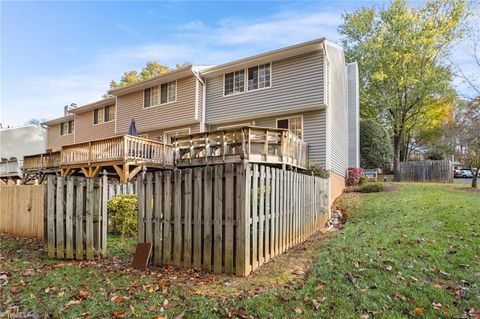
[[466, 173], [457, 173]]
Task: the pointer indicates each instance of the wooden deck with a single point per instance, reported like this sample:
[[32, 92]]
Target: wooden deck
[[10, 169], [126, 155], [251, 144]]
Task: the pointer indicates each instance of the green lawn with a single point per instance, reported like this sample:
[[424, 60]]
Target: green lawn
[[413, 252]]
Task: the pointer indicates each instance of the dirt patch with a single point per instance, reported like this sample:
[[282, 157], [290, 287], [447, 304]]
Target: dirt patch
[[390, 187]]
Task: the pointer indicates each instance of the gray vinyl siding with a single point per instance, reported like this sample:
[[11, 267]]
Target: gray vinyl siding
[[178, 113], [338, 111], [353, 116], [296, 85], [314, 128]]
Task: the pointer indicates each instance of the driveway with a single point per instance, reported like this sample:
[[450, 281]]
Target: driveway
[[465, 180]]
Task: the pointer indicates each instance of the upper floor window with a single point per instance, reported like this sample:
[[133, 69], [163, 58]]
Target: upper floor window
[[294, 124], [104, 114], [259, 77], [165, 93], [66, 128], [234, 82]]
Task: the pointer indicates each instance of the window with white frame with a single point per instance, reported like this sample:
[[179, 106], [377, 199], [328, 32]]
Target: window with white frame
[[67, 128], [234, 82], [294, 124], [165, 93], [104, 114], [259, 77]]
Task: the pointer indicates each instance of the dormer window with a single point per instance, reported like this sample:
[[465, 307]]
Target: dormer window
[[104, 114], [66, 128], [165, 93]]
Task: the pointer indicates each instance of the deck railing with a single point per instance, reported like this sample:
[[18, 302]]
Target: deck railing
[[118, 149], [42, 161], [254, 144]]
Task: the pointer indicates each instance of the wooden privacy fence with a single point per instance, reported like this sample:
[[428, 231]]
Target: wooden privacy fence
[[116, 188], [76, 217], [228, 218], [22, 210], [426, 171]]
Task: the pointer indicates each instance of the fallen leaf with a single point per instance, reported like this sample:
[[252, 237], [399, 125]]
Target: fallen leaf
[[72, 302], [132, 309], [180, 316], [437, 285], [436, 305], [298, 311], [298, 271], [320, 286], [83, 294], [419, 311], [118, 314]]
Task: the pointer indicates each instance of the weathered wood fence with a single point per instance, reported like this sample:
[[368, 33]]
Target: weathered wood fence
[[22, 210], [116, 188], [76, 217], [426, 171], [228, 218]]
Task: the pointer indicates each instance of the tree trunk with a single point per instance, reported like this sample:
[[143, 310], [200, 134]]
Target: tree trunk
[[397, 146], [475, 178]]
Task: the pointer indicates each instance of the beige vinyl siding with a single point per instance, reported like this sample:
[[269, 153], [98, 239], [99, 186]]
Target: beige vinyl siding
[[86, 131], [55, 141], [296, 85], [353, 116], [314, 128], [338, 111], [158, 134], [180, 112]]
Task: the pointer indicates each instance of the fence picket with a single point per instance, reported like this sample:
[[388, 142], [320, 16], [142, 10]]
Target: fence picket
[[177, 218], [79, 208], [229, 218], [167, 218], [197, 217], [69, 220], [207, 221], [157, 219], [187, 200], [218, 220], [59, 214], [51, 216], [89, 219]]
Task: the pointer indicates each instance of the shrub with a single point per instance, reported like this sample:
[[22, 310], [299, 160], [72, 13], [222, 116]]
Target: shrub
[[353, 176], [122, 212], [376, 149], [371, 188], [363, 180], [315, 169]]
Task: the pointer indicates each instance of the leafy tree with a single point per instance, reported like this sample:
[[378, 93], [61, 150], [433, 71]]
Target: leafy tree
[[401, 52], [375, 146], [469, 136]]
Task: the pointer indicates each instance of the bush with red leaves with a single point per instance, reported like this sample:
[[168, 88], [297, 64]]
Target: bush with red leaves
[[353, 175]]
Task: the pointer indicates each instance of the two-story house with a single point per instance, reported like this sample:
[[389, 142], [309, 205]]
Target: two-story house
[[306, 88]]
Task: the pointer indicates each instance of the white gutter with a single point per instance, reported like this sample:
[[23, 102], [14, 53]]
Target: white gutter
[[199, 78]]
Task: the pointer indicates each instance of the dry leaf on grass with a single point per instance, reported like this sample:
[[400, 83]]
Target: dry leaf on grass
[[72, 302], [419, 311]]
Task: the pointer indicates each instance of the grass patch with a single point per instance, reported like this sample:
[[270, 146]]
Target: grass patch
[[412, 252]]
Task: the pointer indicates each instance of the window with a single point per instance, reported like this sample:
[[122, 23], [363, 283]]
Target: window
[[234, 82], [66, 128], [104, 114], [259, 77], [167, 92], [293, 124]]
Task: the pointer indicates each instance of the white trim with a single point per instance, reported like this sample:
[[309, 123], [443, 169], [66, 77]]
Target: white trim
[[328, 124], [196, 99], [288, 118], [204, 109], [233, 126], [116, 110]]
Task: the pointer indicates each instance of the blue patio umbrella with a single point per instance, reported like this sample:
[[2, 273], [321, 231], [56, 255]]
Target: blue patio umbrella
[[133, 128]]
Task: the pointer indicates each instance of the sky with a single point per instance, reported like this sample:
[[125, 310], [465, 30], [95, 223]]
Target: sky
[[57, 53]]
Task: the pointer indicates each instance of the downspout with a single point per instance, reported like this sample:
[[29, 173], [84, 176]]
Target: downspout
[[202, 119], [328, 125]]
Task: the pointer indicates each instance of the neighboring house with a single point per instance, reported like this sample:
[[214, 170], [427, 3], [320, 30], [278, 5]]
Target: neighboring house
[[307, 88], [17, 142]]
